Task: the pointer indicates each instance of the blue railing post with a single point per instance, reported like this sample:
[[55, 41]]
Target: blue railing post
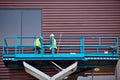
[[117, 46], [82, 45], [16, 45], [99, 43], [42, 45], [3, 46], [52, 47], [34, 46]]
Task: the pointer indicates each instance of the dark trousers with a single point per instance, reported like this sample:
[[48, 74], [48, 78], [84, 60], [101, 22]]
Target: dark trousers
[[54, 50], [37, 49]]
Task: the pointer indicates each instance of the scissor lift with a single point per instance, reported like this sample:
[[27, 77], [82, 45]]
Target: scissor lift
[[83, 50]]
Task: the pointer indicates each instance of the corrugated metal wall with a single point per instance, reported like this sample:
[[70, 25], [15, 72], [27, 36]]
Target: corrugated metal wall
[[89, 18], [69, 17]]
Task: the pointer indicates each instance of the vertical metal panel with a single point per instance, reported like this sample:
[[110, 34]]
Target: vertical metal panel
[[16, 22], [69, 17], [7, 26], [31, 19]]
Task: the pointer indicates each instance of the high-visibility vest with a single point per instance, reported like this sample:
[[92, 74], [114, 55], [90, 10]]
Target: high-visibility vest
[[37, 43], [55, 45]]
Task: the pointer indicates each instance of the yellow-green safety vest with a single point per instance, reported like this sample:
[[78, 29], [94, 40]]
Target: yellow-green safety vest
[[55, 45], [37, 43]]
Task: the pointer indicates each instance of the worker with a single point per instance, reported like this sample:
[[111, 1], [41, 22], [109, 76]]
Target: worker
[[54, 42], [38, 45]]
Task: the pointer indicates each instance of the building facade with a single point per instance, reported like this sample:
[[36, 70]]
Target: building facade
[[66, 18]]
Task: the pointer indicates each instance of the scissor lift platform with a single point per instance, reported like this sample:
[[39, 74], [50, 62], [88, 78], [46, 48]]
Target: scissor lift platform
[[83, 51], [69, 48], [83, 48]]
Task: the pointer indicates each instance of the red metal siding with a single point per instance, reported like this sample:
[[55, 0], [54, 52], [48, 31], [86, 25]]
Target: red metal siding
[[71, 18], [82, 18]]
